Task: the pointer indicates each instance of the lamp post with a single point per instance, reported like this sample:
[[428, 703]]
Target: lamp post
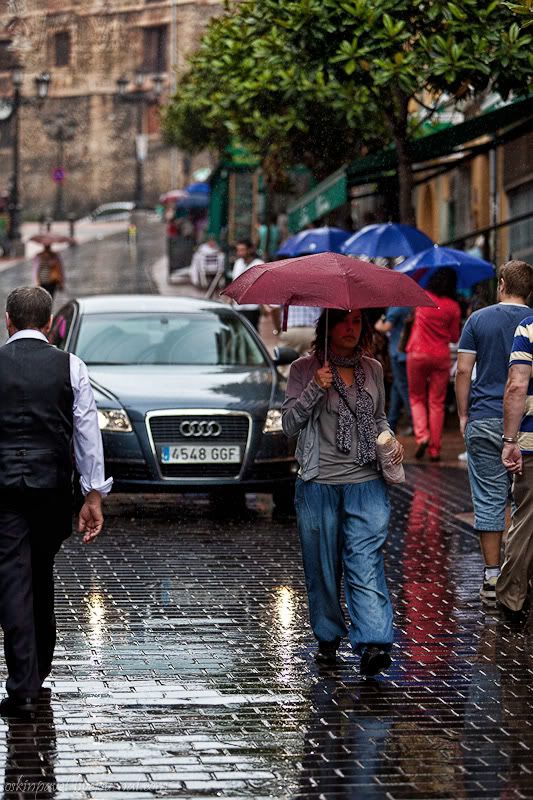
[[11, 109], [60, 129], [141, 97]]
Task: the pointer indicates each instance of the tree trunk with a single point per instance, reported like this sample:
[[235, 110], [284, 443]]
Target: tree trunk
[[397, 116], [406, 182]]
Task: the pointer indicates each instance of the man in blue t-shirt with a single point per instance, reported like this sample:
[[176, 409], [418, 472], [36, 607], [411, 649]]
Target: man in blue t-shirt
[[392, 323], [485, 344]]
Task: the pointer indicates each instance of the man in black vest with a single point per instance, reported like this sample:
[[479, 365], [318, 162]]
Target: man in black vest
[[47, 413]]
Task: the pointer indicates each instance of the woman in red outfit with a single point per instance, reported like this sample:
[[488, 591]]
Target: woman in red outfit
[[428, 361]]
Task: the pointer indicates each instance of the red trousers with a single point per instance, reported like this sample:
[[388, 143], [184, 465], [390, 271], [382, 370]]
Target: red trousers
[[428, 379]]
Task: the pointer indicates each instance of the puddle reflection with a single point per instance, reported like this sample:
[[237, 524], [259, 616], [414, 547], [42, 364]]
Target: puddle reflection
[[96, 611], [30, 759]]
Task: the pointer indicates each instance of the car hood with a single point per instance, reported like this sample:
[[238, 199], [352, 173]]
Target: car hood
[[142, 388]]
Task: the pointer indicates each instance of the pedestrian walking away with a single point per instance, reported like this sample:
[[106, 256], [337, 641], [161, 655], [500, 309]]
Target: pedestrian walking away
[[429, 362], [485, 345], [392, 323], [246, 259], [48, 270], [47, 410], [336, 407], [517, 456]]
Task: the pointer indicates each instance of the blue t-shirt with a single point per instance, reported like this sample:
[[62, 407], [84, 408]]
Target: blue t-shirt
[[489, 334], [396, 315]]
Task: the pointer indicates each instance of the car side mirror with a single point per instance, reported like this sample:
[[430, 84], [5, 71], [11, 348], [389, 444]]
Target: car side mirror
[[284, 356]]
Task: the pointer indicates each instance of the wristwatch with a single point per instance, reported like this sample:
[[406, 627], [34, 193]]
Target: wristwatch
[[510, 439]]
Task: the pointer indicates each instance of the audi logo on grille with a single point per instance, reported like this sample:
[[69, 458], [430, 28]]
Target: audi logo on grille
[[202, 427]]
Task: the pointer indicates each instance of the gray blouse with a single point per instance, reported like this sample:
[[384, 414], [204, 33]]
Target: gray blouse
[[334, 466]]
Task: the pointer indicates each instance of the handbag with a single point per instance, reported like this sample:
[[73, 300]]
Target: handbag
[[392, 473]]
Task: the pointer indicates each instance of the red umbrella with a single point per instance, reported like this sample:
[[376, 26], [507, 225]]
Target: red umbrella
[[326, 280], [51, 238]]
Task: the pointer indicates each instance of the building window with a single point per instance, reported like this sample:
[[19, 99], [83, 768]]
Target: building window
[[521, 234], [155, 49], [62, 48]]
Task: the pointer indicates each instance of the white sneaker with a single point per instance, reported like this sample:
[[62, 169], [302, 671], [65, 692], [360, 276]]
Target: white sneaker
[[487, 592]]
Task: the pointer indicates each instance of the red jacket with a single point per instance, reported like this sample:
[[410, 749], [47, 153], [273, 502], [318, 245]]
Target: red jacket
[[434, 328]]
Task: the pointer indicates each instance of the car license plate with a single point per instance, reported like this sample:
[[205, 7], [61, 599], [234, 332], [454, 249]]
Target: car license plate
[[201, 454]]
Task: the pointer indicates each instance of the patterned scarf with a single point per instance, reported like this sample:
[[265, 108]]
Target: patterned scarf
[[365, 424]]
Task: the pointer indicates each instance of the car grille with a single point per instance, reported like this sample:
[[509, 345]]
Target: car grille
[[166, 430], [128, 470]]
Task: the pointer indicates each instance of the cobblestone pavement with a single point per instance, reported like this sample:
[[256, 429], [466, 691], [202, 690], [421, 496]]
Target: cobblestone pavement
[[184, 666]]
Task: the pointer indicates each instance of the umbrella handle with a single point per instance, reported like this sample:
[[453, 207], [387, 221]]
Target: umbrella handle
[[285, 318], [326, 339]]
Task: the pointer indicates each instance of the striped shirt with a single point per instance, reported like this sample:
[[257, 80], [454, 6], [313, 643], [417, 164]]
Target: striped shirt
[[522, 353]]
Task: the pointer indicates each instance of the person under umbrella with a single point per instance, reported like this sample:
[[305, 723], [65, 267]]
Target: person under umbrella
[[336, 407], [48, 270]]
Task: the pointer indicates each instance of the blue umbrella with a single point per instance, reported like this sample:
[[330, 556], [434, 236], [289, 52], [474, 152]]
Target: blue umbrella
[[470, 269], [390, 240], [198, 188], [193, 201], [315, 240]]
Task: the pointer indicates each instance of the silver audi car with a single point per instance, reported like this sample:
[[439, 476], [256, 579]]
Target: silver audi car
[[188, 396]]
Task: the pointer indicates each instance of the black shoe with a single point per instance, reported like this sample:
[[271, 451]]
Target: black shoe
[[17, 706], [513, 616], [421, 450], [374, 660], [327, 653]]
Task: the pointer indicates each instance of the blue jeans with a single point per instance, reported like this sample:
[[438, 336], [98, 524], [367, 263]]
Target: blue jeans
[[490, 483], [345, 526], [399, 394]]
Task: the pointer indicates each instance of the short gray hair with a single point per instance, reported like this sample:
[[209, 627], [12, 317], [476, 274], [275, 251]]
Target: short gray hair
[[29, 307]]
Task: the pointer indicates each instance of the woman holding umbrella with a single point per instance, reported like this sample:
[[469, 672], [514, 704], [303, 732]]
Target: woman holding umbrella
[[47, 265], [336, 406]]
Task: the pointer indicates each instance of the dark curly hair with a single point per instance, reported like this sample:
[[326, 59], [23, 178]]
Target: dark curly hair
[[334, 316]]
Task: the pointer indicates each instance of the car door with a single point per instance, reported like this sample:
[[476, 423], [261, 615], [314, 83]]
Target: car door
[[62, 326]]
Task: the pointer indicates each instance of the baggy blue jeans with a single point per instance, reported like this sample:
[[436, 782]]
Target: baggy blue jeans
[[344, 527]]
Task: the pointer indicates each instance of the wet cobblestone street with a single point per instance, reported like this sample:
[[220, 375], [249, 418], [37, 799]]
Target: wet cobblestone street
[[185, 666]]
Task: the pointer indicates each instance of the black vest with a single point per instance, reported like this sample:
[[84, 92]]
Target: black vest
[[36, 417]]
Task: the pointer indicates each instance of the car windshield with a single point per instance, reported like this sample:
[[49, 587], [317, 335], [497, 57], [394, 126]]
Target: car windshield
[[205, 338]]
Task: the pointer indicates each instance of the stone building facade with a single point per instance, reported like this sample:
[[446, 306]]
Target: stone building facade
[[84, 126]]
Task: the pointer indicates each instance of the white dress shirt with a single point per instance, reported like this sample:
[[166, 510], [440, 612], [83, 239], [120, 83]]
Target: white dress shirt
[[239, 267], [88, 447]]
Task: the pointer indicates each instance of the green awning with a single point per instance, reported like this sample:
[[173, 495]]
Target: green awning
[[333, 191], [442, 143], [325, 197]]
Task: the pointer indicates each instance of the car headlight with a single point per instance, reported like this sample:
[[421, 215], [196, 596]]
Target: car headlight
[[113, 420], [273, 421]]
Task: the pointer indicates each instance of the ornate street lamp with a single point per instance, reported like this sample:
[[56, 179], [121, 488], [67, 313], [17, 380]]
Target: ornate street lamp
[[141, 97], [10, 108]]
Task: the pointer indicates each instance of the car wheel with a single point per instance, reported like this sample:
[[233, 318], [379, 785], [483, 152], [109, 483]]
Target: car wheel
[[283, 498]]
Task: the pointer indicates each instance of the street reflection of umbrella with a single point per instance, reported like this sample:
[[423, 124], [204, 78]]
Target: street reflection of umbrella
[[470, 269], [315, 240], [389, 240], [48, 239]]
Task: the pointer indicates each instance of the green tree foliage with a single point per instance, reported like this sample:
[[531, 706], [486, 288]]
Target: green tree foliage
[[317, 81]]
